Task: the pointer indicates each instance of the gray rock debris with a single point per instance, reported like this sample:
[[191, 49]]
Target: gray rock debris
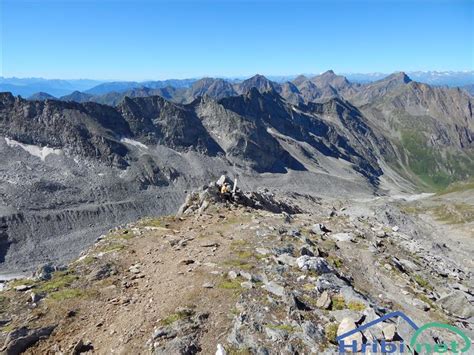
[[275, 288], [180, 337], [319, 229], [330, 282], [324, 301], [313, 263], [312, 335], [21, 339]]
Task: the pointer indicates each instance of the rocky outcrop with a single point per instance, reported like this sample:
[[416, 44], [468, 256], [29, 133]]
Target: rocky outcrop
[[199, 201], [21, 339]]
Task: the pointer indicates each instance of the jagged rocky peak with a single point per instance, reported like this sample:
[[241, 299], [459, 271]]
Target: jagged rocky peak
[[157, 121], [253, 102], [300, 79], [397, 77], [148, 107], [215, 88], [260, 82], [328, 73], [329, 78], [6, 98]]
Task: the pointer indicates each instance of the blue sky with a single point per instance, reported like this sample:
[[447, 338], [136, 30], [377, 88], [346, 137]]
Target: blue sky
[[145, 39]]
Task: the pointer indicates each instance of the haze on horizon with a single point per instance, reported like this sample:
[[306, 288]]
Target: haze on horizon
[[156, 40]]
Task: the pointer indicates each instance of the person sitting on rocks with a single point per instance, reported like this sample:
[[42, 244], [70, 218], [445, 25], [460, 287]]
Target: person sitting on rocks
[[226, 191]]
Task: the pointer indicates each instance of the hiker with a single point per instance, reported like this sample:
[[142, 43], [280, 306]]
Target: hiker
[[226, 191]]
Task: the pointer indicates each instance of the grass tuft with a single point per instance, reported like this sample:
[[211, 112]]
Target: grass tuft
[[356, 306], [335, 261], [60, 279], [330, 331], [284, 327], [338, 302], [227, 284], [172, 318], [4, 302], [422, 282], [66, 294]]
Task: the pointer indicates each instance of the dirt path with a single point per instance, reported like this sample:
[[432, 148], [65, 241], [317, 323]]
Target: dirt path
[[130, 306]]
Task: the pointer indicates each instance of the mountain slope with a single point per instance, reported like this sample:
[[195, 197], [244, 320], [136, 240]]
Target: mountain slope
[[87, 129], [433, 127]]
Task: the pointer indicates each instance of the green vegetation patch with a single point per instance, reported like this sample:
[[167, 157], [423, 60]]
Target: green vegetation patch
[[228, 284], [88, 260], [125, 234], [8, 328], [111, 248], [422, 282], [423, 160], [435, 169], [66, 294], [232, 350], [19, 282], [457, 213], [284, 327], [238, 263], [4, 302], [158, 222], [458, 187], [335, 261], [338, 302], [356, 306], [179, 315], [330, 330], [60, 280]]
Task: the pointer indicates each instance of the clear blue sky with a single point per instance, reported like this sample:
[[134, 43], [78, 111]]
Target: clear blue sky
[[145, 39]]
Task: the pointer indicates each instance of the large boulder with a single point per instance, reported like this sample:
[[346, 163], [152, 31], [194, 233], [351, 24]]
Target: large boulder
[[457, 304], [21, 339], [223, 180], [313, 263]]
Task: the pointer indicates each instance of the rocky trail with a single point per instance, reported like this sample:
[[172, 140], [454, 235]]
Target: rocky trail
[[260, 274]]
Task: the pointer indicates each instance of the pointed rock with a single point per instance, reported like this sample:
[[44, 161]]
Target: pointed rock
[[346, 325]]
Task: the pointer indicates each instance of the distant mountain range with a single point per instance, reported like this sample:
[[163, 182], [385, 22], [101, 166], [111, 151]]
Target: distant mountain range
[[30, 86], [27, 87], [447, 78]]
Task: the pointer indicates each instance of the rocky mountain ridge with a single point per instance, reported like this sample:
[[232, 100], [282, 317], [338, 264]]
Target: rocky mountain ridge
[[390, 136]]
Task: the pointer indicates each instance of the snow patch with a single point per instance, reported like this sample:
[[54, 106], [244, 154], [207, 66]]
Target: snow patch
[[133, 142], [37, 151]]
